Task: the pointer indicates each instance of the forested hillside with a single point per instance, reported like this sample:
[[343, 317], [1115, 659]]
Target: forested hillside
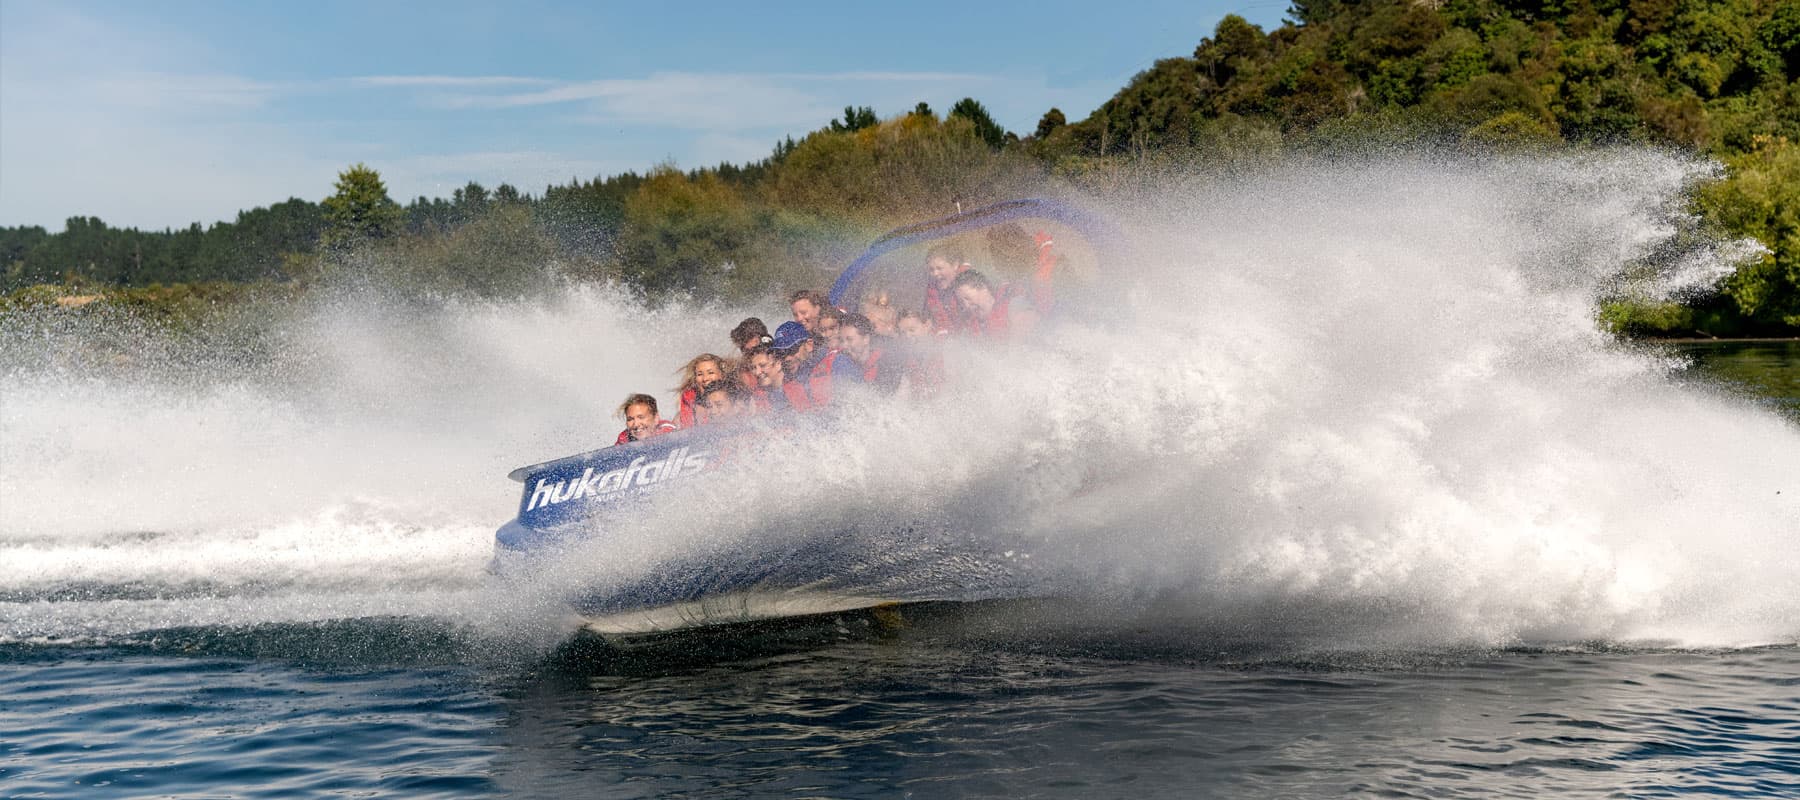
[[1717, 77]]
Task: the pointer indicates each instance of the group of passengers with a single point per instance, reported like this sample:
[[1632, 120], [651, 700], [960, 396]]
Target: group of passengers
[[825, 350]]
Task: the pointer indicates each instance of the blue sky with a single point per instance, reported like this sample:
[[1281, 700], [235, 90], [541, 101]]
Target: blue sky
[[160, 114]]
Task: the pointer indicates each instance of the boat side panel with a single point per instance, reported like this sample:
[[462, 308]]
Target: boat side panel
[[561, 491]]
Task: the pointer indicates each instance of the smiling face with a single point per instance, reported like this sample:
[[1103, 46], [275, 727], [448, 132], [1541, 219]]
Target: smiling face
[[640, 419], [806, 312], [706, 372], [791, 362], [976, 299], [941, 271], [767, 369], [913, 327], [828, 329], [854, 342], [721, 408]]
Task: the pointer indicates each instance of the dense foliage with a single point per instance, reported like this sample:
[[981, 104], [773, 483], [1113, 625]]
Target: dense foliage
[[1720, 77]]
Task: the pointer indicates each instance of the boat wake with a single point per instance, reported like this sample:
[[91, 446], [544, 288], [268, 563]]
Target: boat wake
[[1362, 403]]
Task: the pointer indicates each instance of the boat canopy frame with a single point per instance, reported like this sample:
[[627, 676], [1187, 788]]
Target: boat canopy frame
[[1098, 231]]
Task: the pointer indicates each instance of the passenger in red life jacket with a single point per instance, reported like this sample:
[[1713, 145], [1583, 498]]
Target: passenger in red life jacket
[[826, 328], [880, 311], [923, 366], [807, 305], [767, 390], [912, 325], [942, 264], [799, 355], [641, 421], [994, 313], [726, 402], [704, 369], [826, 331], [749, 334], [859, 361]]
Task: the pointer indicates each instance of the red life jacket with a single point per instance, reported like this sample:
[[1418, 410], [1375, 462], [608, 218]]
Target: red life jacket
[[946, 317], [998, 321], [796, 395], [872, 367], [689, 411], [759, 399], [818, 384]]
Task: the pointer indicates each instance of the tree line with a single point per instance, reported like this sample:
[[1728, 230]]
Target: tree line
[[1720, 77]]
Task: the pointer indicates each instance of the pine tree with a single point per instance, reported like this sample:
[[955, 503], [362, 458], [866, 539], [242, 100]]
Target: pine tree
[[361, 210]]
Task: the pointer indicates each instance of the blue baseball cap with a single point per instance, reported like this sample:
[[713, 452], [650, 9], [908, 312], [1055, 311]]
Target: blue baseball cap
[[789, 336]]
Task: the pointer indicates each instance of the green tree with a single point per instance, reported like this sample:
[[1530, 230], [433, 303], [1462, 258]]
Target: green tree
[[360, 210], [1048, 124], [855, 119], [1762, 199], [682, 234], [985, 126]]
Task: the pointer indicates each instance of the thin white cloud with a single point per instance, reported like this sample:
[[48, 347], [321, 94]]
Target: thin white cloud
[[447, 81], [909, 77], [176, 92], [712, 103], [683, 100]]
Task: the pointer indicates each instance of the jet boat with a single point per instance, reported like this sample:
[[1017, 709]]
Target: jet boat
[[580, 499]]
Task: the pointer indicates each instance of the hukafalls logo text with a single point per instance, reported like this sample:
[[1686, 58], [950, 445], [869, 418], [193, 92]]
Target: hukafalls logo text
[[680, 461]]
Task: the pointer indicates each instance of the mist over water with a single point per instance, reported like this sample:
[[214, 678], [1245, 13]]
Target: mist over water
[[1363, 404]]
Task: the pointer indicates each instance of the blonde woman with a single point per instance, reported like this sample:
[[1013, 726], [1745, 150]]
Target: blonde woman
[[702, 370]]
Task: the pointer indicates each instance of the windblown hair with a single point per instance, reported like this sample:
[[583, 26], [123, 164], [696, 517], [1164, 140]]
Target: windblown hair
[[751, 330], [813, 296], [858, 322], [947, 252], [688, 381], [969, 277], [638, 400], [730, 386]]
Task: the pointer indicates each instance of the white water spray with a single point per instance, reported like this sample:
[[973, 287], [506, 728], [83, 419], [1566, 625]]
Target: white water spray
[[1370, 392]]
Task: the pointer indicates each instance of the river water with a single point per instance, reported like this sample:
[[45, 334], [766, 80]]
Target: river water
[[1356, 501], [919, 712]]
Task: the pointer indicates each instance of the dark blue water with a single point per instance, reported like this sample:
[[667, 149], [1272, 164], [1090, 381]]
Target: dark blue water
[[926, 704]]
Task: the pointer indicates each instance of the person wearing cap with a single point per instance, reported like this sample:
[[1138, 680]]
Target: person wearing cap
[[641, 420], [799, 355]]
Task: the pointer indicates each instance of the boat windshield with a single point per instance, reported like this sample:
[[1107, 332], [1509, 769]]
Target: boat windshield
[[1015, 243]]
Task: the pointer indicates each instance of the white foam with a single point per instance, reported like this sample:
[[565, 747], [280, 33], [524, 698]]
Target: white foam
[[1367, 390]]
